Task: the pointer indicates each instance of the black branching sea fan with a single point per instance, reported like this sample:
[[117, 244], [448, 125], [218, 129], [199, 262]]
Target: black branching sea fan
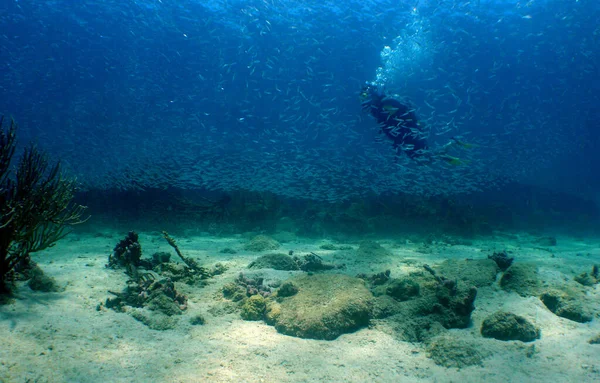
[[36, 208]]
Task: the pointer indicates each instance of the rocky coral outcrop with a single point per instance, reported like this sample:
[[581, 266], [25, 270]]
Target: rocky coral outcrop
[[472, 272], [324, 307], [276, 261], [506, 326], [567, 304], [523, 279], [262, 243]]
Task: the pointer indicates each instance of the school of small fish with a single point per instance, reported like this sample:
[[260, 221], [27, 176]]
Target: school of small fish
[[263, 95]]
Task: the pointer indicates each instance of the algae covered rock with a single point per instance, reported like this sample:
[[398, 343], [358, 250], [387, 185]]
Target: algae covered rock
[[473, 272], [331, 246], [41, 282], [276, 261], [262, 243], [508, 326], [590, 279], [313, 262], [567, 304], [254, 308], [234, 291], [287, 289], [403, 289], [523, 279], [154, 320], [164, 304], [411, 329], [451, 308], [585, 279], [328, 246], [419, 320], [324, 307], [198, 320], [157, 297], [440, 304], [377, 279]]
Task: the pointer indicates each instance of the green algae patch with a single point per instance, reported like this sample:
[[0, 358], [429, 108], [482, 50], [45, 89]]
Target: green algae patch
[[325, 306], [253, 308]]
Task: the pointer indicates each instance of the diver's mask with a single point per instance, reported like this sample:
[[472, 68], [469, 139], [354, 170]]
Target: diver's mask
[[369, 94]]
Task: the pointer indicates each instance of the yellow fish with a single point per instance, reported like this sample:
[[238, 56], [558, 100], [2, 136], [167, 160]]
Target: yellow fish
[[463, 144], [453, 160]]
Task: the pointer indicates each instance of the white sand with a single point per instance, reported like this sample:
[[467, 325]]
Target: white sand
[[61, 337]]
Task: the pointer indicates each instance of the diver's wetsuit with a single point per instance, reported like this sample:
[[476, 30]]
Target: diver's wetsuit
[[397, 121]]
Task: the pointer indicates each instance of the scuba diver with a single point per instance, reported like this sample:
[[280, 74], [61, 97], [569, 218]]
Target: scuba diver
[[399, 123]]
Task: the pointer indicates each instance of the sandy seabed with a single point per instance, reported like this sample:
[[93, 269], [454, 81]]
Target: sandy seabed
[[62, 337]]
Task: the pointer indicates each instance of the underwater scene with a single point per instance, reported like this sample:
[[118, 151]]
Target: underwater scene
[[299, 191]]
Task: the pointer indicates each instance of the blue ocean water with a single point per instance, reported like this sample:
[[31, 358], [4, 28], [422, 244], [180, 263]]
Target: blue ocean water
[[263, 95], [249, 219]]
